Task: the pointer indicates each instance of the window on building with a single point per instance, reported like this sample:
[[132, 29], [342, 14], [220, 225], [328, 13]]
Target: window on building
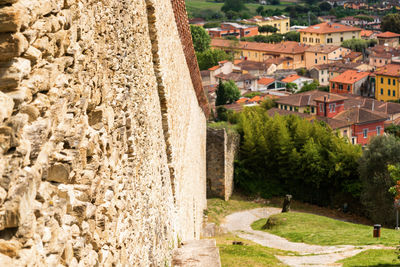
[[333, 85], [304, 39], [331, 73], [291, 108], [341, 39], [316, 61], [321, 107], [340, 86], [354, 37], [381, 91], [322, 80], [317, 41], [348, 88], [332, 107], [285, 107], [324, 57], [312, 110], [302, 58], [380, 60], [378, 130], [345, 133], [381, 80], [394, 82], [388, 92], [394, 93], [365, 133], [389, 81]]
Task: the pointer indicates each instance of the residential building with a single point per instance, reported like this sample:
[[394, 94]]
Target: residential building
[[244, 81], [299, 81], [328, 18], [255, 68], [224, 67], [233, 29], [269, 83], [365, 124], [324, 72], [351, 82], [328, 33], [281, 23], [353, 57], [381, 55], [337, 2], [368, 35], [292, 52], [387, 82], [323, 54], [302, 102], [388, 38], [360, 21]]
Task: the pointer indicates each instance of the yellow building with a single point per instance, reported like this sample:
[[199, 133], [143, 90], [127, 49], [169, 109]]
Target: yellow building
[[282, 23], [289, 54], [387, 82], [328, 33]]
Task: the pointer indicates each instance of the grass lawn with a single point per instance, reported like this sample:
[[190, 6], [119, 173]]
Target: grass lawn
[[198, 5], [319, 230], [373, 257], [217, 208], [249, 254]]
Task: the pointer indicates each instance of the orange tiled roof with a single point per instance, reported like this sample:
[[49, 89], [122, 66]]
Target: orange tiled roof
[[291, 78], [388, 35], [350, 76], [389, 70], [366, 33], [330, 98], [266, 81], [288, 47], [327, 27], [214, 68], [242, 100], [223, 61]]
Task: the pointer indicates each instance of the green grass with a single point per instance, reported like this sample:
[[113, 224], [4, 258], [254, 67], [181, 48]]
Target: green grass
[[249, 254], [217, 208], [373, 257], [194, 6], [319, 230]]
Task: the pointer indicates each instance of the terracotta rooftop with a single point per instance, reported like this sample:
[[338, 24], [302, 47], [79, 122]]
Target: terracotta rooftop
[[266, 81], [291, 78], [389, 70], [236, 76], [366, 33], [328, 27], [302, 99], [323, 48], [359, 115], [388, 35], [288, 47], [252, 65], [330, 98], [214, 68], [353, 55], [337, 66], [350, 76]]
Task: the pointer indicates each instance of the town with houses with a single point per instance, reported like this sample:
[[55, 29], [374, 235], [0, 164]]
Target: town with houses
[[358, 91]]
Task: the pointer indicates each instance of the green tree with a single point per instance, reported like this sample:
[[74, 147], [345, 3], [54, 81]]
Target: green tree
[[391, 23], [309, 87], [358, 44], [201, 39], [267, 28], [210, 58], [325, 6], [260, 9], [291, 87], [232, 92], [292, 36], [221, 95], [275, 2], [375, 177], [233, 5]]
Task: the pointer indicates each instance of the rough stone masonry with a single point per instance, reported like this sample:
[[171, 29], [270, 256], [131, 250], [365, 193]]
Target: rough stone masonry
[[102, 133]]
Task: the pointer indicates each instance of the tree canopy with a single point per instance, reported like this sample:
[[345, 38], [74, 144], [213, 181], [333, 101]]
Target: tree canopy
[[227, 93], [201, 39], [210, 58], [233, 5], [391, 23], [358, 45]]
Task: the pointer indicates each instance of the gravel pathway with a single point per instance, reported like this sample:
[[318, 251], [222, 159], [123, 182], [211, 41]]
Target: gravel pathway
[[311, 255]]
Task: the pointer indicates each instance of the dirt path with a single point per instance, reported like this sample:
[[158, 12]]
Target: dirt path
[[311, 255]]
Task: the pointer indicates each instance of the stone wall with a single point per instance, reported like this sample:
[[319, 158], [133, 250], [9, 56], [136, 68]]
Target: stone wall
[[221, 151], [102, 137]]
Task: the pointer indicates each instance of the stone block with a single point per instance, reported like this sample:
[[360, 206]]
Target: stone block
[[6, 106], [12, 18], [12, 45], [9, 248], [33, 54], [12, 72], [59, 173]]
